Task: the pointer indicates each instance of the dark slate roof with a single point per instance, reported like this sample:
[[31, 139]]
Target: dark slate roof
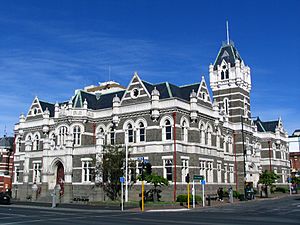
[[230, 57], [168, 90], [50, 106], [266, 126], [6, 142], [104, 101]]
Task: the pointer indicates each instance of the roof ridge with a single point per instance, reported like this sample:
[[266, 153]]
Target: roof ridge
[[186, 85]]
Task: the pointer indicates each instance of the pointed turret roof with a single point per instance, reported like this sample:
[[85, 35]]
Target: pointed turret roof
[[229, 53]]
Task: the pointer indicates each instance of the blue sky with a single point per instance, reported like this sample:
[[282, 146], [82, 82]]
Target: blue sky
[[50, 48]]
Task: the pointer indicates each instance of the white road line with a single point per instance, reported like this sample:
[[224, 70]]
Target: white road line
[[167, 210]]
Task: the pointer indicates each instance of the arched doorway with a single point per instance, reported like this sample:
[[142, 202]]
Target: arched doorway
[[60, 177]]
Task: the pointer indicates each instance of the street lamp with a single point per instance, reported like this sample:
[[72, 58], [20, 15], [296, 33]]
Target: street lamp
[[244, 151]]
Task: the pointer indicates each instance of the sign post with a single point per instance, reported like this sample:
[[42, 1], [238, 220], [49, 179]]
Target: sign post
[[203, 199], [122, 179], [193, 191], [290, 185]]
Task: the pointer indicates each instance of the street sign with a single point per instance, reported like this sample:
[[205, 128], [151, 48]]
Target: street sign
[[122, 180], [140, 158], [146, 161], [198, 177], [203, 182]]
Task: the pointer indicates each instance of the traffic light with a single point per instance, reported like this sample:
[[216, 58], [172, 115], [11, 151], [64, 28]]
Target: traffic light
[[187, 178], [148, 169]]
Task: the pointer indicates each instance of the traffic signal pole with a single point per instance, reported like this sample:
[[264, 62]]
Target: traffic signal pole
[[188, 194]]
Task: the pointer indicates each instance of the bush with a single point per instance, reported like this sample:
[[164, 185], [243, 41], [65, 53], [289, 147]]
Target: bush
[[183, 198], [281, 189], [236, 194]]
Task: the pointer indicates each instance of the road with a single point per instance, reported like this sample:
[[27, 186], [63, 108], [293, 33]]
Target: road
[[284, 211]]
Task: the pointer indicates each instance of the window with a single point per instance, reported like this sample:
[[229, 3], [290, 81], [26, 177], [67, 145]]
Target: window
[[111, 136], [141, 132], [202, 134], [168, 130], [219, 172], [209, 172], [36, 173], [208, 135], [134, 93], [184, 131], [36, 142], [231, 179], [224, 72], [245, 108], [77, 135], [62, 135], [168, 163], [17, 174], [226, 106], [203, 168], [184, 169], [225, 173], [86, 170], [129, 133]]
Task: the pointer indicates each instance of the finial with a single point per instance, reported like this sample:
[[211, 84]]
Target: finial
[[227, 32]]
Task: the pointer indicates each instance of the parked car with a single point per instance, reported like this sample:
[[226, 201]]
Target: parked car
[[4, 198]]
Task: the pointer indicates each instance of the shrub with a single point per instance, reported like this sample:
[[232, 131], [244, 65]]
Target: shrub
[[236, 194], [281, 189], [183, 198]]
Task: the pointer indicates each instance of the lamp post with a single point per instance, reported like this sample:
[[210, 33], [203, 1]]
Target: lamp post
[[126, 174]]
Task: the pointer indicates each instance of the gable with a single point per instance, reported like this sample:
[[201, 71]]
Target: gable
[[136, 91], [35, 111], [203, 93]]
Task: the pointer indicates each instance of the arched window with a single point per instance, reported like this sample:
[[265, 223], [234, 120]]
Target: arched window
[[36, 142], [141, 132], [224, 72], [129, 133], [202, 134], [111, 136], [208, 135], [77, 135], [226, 105], [168, 130], [62, 135], [184, 131]]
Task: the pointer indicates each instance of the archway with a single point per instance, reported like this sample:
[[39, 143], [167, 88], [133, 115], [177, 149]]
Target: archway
[[60, 177]]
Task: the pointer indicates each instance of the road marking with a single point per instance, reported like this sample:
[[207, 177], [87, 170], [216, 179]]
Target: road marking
[[167, 210]]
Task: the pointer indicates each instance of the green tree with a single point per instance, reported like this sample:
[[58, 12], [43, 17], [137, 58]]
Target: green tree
[[157, 182], [268, 178], [112, 169]]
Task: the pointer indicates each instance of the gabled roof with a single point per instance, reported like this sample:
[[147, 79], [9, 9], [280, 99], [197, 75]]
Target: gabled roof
[[168, 90], [228, 53], [50, 106], [268, 126]]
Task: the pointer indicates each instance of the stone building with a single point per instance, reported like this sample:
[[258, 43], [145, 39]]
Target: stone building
[[59, 144], [6, 163], [294, 150]]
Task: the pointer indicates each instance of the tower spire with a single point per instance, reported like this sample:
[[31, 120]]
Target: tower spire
[[227, 32]]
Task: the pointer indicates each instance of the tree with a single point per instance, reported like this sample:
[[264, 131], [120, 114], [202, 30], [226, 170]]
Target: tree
[[268, 178], [112, 169], [157, 181]]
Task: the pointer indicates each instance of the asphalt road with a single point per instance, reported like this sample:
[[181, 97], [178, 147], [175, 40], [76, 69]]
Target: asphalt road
[[284, 211]]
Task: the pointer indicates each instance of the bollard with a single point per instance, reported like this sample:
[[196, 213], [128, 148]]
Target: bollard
[[53, 199]]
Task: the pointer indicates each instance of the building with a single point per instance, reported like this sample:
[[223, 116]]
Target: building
[[58, 145], [294, 149], [6, 163]]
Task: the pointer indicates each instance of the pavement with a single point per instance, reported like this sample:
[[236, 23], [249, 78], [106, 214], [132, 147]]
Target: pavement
[[280, 210]]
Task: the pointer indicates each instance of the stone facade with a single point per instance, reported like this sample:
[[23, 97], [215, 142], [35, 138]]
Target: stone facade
[[58, 145]]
